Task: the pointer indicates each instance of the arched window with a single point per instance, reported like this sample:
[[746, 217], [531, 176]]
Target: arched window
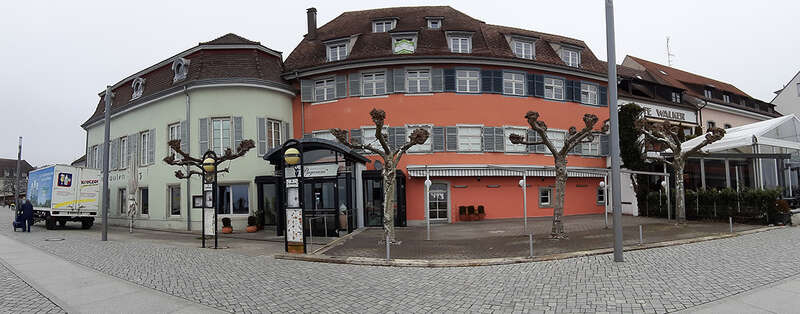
[[180, 67], [138, 88]]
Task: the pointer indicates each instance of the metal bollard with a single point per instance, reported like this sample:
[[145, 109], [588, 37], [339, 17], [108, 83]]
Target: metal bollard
[[530, 242], [730, 223], [325, 224], [641, 239], [387, 246], [311, 235]]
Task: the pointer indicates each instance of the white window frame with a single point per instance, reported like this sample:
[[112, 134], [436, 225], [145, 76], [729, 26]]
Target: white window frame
[[122, 195], [434, 23], [123, 152], [220, 142], [600, 197], [511, 147], [336, 51], [467, 142], [549, 196], [144, 141], [380, 26], [460, 43], [554, 86], [726, 98], [707, 93], [229, 211], [589, 94], [373, 83], [273, 128], [426, 147], [523, 48], [173, 133], [513, 83], [472, 79], [591, 148], [676, 97], [96, 160], [368, 136], [710, 124], [137, 86], [326, 88], [140, 203], [169, 200], [571, 56], [418, 81], [551, 135]]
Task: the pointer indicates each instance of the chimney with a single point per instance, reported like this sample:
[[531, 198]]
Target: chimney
[[312, 23]]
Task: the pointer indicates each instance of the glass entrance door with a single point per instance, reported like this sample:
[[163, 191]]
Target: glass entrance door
[[270, 203], [438, 202]]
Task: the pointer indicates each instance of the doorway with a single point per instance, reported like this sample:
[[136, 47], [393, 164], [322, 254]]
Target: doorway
[[438, 202]]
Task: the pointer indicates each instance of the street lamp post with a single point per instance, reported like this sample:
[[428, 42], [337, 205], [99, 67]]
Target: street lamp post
[[613, 108], [210, 185], [427, 201]]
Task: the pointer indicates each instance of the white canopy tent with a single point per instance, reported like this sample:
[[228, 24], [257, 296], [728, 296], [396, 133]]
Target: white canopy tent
[[782, 133]]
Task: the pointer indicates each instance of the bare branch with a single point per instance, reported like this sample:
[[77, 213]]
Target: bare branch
[[378, 117], [714, 134], [417, 137], [341, 136]]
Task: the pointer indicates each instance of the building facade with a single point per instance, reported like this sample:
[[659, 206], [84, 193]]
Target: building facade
[[8, 176], [211, 96], [469, 84], [787, 99], [720, 104]]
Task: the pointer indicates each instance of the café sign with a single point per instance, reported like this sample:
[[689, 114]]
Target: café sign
[[311, 171], [665, 112]]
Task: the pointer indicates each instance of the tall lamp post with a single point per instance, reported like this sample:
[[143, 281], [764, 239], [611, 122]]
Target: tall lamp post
[[210, 186], [295, 240], [613, 108]]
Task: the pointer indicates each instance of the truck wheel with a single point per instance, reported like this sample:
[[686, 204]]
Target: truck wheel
[[62, 223], [86, 224], [50, 223]]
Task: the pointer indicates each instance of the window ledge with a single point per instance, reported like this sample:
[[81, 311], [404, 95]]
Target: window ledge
[[324, 102], [418, 94], [372, 97]]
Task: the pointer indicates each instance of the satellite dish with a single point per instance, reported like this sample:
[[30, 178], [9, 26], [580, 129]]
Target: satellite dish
[[378, 165]]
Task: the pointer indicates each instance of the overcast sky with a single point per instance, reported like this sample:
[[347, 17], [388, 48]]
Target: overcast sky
[[55, 57]]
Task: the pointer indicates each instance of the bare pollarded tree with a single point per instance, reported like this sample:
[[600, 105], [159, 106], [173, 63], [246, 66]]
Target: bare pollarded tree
[[672, 136], [391, 157], [573, 138], [188, 161]]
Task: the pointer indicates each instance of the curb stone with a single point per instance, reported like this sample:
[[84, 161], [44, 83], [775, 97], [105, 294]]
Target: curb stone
[[434, 263]]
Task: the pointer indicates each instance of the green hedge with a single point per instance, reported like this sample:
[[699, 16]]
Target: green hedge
[[755, 206]]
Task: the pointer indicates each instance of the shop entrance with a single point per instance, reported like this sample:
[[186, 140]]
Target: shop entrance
[[438, 202]]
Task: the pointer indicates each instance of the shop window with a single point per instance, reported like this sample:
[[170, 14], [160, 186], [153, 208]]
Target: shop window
[[144, 201], [174, 200], [601, 196], [233, 199], [123, 201], [545, 197]]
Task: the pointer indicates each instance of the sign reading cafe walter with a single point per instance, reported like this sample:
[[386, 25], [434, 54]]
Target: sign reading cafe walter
[[665, 112]]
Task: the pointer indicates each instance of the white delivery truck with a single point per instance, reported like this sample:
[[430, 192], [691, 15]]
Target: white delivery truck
[[61, 193]]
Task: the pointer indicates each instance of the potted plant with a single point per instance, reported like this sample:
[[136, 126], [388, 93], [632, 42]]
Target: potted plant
[[343, 216], [226, 225], [462, 213], [251, 224]]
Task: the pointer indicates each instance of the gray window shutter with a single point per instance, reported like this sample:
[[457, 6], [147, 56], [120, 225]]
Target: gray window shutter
[[355, 136], [497, 81], [114, 154], [603, 91], [204, 132], [538, 82], [486, 81], [568, 90], [499, 140], [355, 84], [389, 80], [341, 86], [131, 154], [452, 139], [577, 149], [577, 89], [437, 80], [151, 147], [605, 148], [399, 80], [390, 138], [306, 91], [287, 132], [184, 136], [399, 137], [531, 137], [89, 159], [438, 139], [449, 80], [488, 139], [237, 132], [541, 148], [262, 136]]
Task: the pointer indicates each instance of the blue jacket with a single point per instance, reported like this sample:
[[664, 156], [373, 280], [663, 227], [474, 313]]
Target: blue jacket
[[27, 210]]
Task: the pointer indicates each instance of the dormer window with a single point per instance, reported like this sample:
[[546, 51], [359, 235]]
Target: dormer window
[[676, 97], [707, 93], [570, 56], [523, 48], [336, 51], [404, 43], [460, 43], [726, 98], [434, 23], [180, 68], [138, 88], [382, 26]]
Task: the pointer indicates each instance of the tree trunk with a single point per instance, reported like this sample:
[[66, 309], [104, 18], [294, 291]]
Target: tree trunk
[[680, 200], [558, 206], [389, 202]]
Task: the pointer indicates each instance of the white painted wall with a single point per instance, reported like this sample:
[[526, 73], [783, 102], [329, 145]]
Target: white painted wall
[[217, 101], [788, 100]]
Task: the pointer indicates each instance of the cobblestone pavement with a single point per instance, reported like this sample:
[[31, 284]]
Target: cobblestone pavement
[[16, 296], [652, 281]]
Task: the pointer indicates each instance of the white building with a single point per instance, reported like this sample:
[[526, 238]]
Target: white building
[[211, 96], [787, 99]]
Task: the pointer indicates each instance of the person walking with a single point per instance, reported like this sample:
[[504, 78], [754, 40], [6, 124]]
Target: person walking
[[27, 214]]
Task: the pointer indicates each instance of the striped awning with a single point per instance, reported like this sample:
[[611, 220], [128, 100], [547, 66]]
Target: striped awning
[[500, 171]]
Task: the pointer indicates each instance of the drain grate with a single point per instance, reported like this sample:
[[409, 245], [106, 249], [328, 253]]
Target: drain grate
[[54, 239]]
